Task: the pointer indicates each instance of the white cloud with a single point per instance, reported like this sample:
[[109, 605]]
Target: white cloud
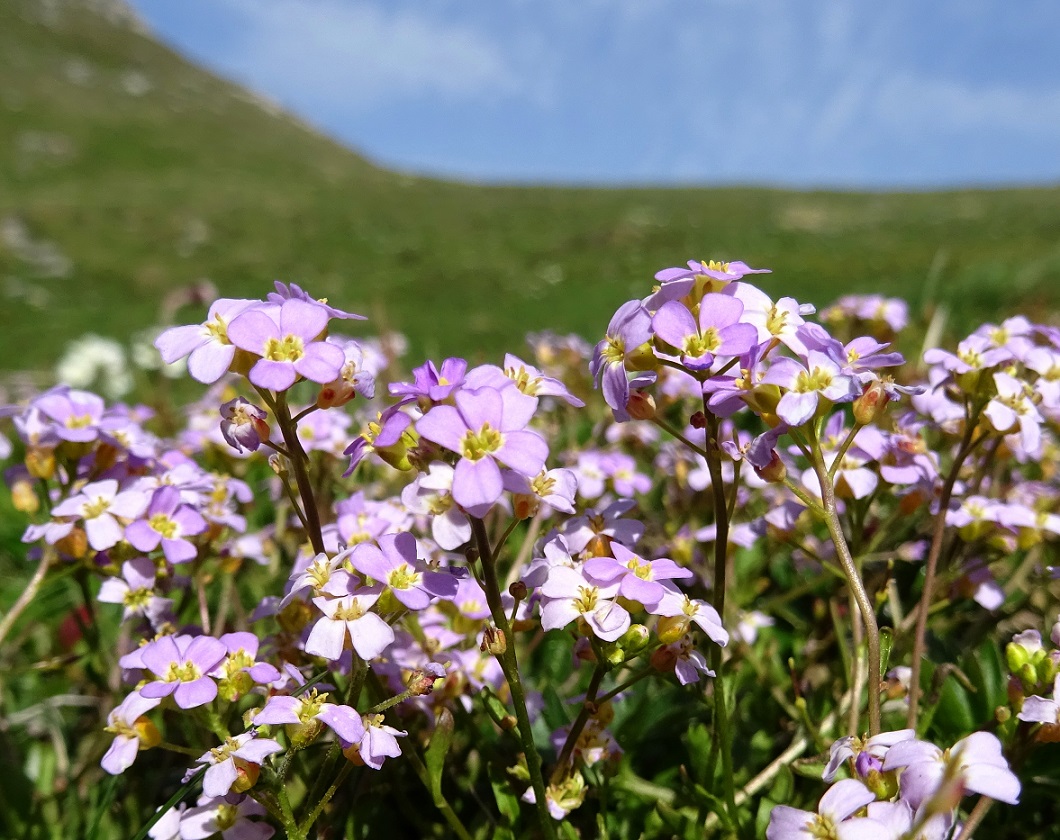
[[346, 55]]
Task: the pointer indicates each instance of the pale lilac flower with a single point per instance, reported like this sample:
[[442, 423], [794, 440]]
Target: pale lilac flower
[[285, 292], [701, 275], [230, 815], [780, 320], [77, 415], [874, 749], [674, 604], [134, 590], [243, 424], [569, 594], [638, 579], [608, 523], [527, 378], [431, 494], [718, 331], [122, 721], [431, 385], [206, 345], [486, 428], [1012, 410], [345, 617], [554, 488], [221, 761], [974, 764], [840, 801], [807, 384], [242, 656], [379, 741], [100, 505], [353, 379], [182, 665], [629, 329], [394, 563], [288, 340], [169, 522], [975, 353], [343, 720]]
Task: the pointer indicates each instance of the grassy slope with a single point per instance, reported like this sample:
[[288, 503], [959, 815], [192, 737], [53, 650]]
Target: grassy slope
[[118, 181]]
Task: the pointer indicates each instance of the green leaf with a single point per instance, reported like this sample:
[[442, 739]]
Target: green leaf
[[507, 801], [441, 741], [954, 713]]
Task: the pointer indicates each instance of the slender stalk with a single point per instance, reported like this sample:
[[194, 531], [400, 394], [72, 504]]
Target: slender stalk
[[299, 465], [968, 442], [510, 667], [857, 427], [864, 603], [586, 711], [28, 594], [978, 813], [723, 727]]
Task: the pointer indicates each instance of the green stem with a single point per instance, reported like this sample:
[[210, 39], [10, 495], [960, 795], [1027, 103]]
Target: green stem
[[670, 430], [510, 667], [843, 449], [968, 443], [865, 607], [720, 584], [299, 465], [589, 706]]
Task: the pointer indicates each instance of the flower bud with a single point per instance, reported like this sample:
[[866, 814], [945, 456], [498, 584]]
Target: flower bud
[[698, 420], [421, 683], [871, 403], [40, 462], [518, 590], [23, 498], [664, 659], [247, 773], [335, 394], [244, 425], [671, 628], [641, 405], [493, 641], [524, 506], [147, 733], [642, 358], [301, 735], [75, 544], [775, 471]]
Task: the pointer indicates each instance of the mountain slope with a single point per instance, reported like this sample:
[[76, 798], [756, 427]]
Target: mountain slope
[[126, 172]]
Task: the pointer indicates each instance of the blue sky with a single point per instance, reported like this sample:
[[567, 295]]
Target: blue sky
[[847, 93]]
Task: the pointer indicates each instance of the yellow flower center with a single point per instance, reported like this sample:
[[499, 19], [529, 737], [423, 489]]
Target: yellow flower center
[[218, 330], [350, 613], [288, 349], [186, 672], [639, 567], [96, 507], [163, 524], [542, 484], [477, 445], [587, 598], [403, 577], [78, 421], [809, 381]]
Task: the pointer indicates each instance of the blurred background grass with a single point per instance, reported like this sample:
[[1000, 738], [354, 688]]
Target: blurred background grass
[[126, 172]]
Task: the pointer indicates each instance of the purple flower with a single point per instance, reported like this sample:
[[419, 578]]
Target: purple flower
[[431, 385], [134, 590], [486, 427], [349, 616], [431, 494], [717, 333], [1012, 410], [353, 378], [584, 532], [527, 378], [394, 563], [874, 748], [630, 327], [207, 345], [131, 732], [1041, 710], [300, 711], [973, 764], [100, 504], [295, 292], [77, 415], [638, 578], [702, 275], [287, 340], [379, 742], [840, 801], [807, 384], [182, 665], [569, 594], [243, 424], [222, 771], [555, 488], [230, 815], [387, 437], [242, 650], [168, 522], [678, 605]]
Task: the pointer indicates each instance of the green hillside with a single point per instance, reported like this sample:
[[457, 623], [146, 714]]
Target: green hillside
[[125, 171]]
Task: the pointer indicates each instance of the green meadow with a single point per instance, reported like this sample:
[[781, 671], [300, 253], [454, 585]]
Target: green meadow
[[127, 172]]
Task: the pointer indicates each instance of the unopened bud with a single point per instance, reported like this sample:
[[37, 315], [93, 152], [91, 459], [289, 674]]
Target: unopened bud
[[279, 464], [698, 420], [147, 733], [23, 498], [671, 628], [493, 640], [524, 506], [599, 546], [518, 590], [663, 659], [247, 773], [301, 735], [641, 405], [871, 403], [642, 358], [335, 394], [775, 471], [420, 683], [75, 544], [40, 462]]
